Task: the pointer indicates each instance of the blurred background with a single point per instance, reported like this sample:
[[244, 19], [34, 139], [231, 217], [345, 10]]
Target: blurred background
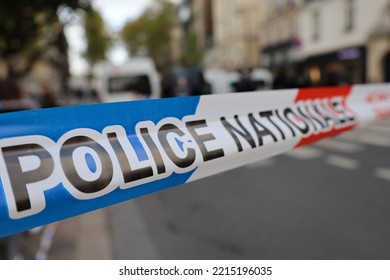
[[321, 202]]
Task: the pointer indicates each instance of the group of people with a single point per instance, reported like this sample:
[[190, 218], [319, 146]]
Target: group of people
[[244, 82], [185, 83], [289, 77], [295, 77], [13, 97]]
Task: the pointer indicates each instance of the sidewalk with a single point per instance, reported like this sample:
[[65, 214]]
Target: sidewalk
[[116, 232], [85, 237]]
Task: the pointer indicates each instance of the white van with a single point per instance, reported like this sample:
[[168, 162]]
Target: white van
[[136, 79]]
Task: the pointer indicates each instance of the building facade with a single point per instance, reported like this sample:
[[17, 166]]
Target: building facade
[[51, 70], [235, 34], [318, 38], [279, 33], [378, 54], [201, 21], [176, 37], [334, 38]]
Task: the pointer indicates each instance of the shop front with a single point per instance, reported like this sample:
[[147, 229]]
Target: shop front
[[341, 67]]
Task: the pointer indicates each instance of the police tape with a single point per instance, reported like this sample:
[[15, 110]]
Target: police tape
[[61, 162]]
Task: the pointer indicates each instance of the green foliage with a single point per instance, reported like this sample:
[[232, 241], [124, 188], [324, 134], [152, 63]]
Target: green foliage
[[193, 52], [150, 33], [27, 28], [98, 40]]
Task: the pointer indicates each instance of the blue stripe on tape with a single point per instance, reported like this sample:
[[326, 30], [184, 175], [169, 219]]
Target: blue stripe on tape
[[53, 123]]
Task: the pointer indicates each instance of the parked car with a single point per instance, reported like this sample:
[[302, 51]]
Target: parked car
[[262, 78], [136, 79]]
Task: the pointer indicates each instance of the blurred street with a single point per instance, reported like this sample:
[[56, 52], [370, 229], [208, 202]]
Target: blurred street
[[325, 201]]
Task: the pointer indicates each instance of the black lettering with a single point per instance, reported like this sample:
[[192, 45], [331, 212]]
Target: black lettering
[[313, 114], [154, 150], [162, 136], [19, 178], [268, 115], [315, 123], [325, 114], [200, 139], [260, 133], [233, 131], [129, 175], [288, 112], [286, 123], [69, 167], [338, 107], [339, 113]]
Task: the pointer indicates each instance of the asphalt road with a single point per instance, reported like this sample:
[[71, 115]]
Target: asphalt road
[[326, 201]]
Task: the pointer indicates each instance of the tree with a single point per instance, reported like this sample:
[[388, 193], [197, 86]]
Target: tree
[[97, 39], [193, 52], [150, 33], [28, 29]]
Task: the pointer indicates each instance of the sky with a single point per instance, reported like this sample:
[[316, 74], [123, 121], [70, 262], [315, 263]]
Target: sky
[[115, 14]]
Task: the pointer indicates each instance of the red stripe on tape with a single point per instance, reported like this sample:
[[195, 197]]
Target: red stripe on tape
[[314, 138], [311, 94], [322, 92]]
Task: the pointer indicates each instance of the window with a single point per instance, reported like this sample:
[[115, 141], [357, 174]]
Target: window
[[270, 36], [315, 74], [350, 12], [279, 57], [266, 60], [125, 84], [292, 28], [316, 25]]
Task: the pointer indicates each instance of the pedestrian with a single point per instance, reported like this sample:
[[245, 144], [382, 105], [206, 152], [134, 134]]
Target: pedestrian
[[301, 79], [284, 79], [14, 98], [334, 76], [167, 86], [201, 86], [182, 87], [47, 96], [244, 83]]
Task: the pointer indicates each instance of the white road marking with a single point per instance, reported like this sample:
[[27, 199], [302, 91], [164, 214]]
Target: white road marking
[[374, 140], [261, 163], [305, 153], [342, 162], [382, 173], [340, 146], [378, 128]]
